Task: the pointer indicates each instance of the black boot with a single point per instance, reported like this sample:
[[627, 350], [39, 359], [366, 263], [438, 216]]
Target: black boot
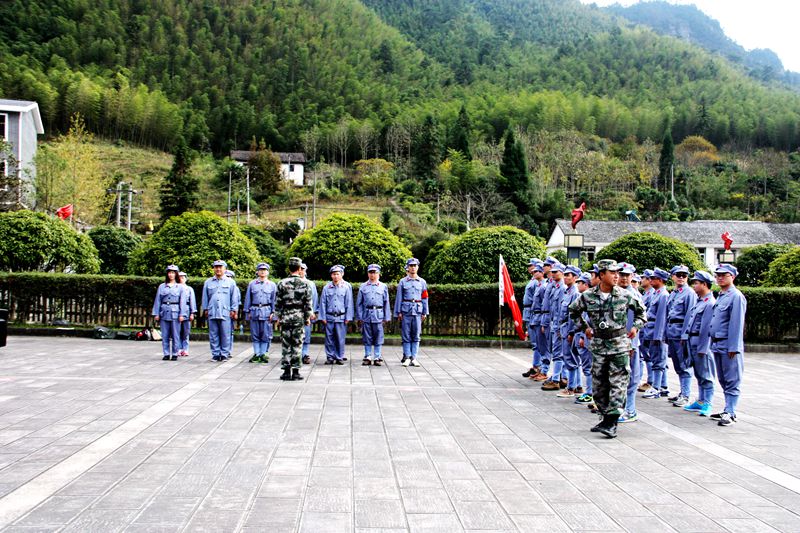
[[287, 374], [531, 372], [296, 374], [609, 424], [600, 425]]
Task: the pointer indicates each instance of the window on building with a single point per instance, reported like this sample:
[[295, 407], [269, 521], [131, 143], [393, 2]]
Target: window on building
[[3, 136], [702, 252], [291, 168], [588, 254]]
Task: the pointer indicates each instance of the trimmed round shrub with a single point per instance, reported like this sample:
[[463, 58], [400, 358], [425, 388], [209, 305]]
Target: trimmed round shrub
[[753, 263], [193, 241], [38, 242], [651, 250], [784, 271], [272, 251], [353, 241], [114, 245], [473, 257]]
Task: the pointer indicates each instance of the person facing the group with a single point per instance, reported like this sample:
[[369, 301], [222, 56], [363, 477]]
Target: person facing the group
[[171, 309], [606, 307], [259, 306], [372, 312], [220, 304], [411, 308], [293, 311]]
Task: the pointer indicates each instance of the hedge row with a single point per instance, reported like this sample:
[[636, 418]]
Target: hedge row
[[773, 314]]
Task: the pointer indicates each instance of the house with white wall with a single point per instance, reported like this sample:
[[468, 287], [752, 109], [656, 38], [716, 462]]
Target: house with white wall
[[20, 124], [292, 164], [704, 235]]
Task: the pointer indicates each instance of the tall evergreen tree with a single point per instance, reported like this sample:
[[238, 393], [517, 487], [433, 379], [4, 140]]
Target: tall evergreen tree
[[180, 188], [427, 151], [459, 138], [666, 160], [514, 170]]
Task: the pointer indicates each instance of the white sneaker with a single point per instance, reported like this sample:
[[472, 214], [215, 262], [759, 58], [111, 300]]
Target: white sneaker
[[414, 363], [407, 362], [651, 393]]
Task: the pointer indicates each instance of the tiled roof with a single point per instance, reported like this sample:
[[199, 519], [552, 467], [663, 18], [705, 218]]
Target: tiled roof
[[285, 157], [744, 233]]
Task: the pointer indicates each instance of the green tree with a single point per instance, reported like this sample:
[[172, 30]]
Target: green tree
[[473, 257], [270, 250], [37, 242], [179, 190], [651, 250], [265, 173], [193, 241], [784, 271], [666, 160], [426, 150], [514, 169], [462, 129], [353, 241], [753, 263], [114, 246]]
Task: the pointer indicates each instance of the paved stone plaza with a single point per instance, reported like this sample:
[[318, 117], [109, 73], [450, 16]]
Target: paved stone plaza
[[103, 436]]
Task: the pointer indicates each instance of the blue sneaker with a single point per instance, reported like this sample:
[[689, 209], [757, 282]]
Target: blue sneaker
[[628, 417], [705, 409], [695, 407]]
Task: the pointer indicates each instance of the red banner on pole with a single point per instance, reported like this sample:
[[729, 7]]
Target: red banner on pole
[[506, 288], [64, 212], [577, 214]]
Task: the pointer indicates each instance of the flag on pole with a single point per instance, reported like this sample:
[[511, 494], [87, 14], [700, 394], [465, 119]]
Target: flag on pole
[[506, 294], [64, 212]]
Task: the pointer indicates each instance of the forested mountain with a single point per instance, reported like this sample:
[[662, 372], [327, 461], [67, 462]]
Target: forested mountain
[[689, 23], [222, 72]]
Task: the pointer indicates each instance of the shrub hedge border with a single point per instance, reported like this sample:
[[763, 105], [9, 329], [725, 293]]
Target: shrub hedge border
[[773, 313]]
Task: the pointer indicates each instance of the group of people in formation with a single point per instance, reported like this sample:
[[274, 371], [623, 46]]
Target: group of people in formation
[[293, 304], [600, 337]]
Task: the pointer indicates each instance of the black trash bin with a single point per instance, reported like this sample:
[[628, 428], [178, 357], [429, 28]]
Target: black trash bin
[[3, 326]]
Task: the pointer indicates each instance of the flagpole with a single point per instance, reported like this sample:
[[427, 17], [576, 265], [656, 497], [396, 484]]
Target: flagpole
[[500, 302]]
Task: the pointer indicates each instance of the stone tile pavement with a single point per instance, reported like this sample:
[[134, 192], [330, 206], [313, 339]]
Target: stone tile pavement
[[103, 436]]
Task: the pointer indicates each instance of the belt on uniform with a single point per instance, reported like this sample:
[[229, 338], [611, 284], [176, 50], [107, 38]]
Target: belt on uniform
[[525, 306], [676, 321], [415, 301], [170, 303], [651, 319], [335, 314], [609, 333], [261, 305], [374, 307], [694, 334], [717, 339]]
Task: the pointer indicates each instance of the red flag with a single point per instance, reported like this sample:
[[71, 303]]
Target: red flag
[[64, 212], [507, 297], [577, 214], [727, 240]]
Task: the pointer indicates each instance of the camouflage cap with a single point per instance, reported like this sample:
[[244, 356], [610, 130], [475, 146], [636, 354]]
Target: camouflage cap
[[607, 264], [295, 262]]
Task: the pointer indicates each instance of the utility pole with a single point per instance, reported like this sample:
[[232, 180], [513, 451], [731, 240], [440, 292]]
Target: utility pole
[[130, 204], [305, 214], [248, 195], [672, 181], [469, 209], [229, 197], [438, 218], [314, 201], [119, 204]]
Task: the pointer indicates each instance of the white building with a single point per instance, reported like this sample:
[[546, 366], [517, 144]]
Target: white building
[[292, 164], [704, 235], [20, 123]]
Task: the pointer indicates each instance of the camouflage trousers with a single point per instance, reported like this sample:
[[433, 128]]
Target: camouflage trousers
[[610, 376], [291, 345]]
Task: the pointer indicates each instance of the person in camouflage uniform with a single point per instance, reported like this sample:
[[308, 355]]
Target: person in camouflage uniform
[[606, 306], [293, 310]]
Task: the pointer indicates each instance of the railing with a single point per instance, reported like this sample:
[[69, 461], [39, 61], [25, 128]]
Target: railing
[[456, 310]]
